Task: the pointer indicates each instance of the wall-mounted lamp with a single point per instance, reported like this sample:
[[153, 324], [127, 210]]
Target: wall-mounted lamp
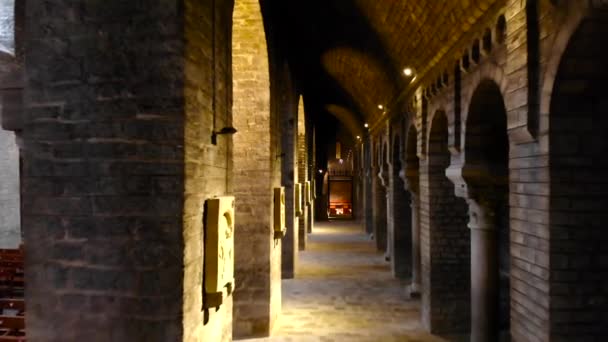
[[225, 130], [380, 107], [365, 125], [320, 171]]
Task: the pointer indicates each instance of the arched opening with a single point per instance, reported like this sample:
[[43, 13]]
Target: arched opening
[[379, 207], [579, 188], [402, 219], [445, 242], [412, 178], [10, 193], [487, 175]]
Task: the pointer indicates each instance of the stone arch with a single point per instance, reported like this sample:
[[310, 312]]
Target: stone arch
[[255, 173], [576, 13], [445, 241], [578, 191], [486, 72], [486, 174]]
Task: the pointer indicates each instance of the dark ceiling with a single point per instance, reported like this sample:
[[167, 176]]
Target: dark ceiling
[[351, 53]]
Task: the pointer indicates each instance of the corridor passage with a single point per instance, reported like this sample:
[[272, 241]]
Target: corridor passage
[[344, 291]]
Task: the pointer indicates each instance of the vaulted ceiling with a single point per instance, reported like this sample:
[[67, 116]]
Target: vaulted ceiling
[[348, 56]]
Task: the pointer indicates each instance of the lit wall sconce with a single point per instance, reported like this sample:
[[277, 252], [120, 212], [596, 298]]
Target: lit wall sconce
[[365, 125], [225, 130]]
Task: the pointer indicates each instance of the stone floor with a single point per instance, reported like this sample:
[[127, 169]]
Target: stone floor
[[344, 291]]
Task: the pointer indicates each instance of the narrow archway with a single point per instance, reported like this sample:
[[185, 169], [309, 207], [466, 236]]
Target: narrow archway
[[402, 219], [412, 179], [10, 208], [487, 176], [579, 189], [445, 241]]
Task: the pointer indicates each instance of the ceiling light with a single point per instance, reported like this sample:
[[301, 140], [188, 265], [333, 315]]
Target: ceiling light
[[408, 71], [358, 137], [320, 171], [380, 106], [365, 125]]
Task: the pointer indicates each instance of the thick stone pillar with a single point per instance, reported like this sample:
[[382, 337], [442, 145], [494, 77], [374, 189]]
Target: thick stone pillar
[[367, 191], [385, 179], [379, 210], [484, 275], [414, 288], [401, 260]]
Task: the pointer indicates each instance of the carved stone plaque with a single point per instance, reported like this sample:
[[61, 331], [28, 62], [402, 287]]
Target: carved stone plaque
[[219, 246], [298, 199], [308, 193], [279, 212]]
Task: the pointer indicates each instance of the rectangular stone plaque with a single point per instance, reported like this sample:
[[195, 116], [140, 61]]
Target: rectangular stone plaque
[[308, 193], [219, 248], [279, 212], [298, 199]]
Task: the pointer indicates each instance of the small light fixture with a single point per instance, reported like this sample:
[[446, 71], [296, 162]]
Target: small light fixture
[[365, 125], [320, 171], [341, 161], [358, 137], [225, 130], [380, 107], [408, 71]]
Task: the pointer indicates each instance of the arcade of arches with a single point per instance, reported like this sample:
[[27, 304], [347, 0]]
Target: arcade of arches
[[210, 170]]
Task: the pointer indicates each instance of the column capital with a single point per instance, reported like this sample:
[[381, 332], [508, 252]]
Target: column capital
[[481, 214]]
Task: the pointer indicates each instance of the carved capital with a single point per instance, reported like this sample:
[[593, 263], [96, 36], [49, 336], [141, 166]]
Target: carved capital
[[481, 215]]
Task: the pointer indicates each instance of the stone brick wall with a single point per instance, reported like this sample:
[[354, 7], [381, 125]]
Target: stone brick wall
[[256, 173], [290, 243], [302, 151], [10, 211], [103, 171], [445, 240], [207, 166]]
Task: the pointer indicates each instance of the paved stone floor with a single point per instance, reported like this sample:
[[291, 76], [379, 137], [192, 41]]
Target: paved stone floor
[[344, 291]]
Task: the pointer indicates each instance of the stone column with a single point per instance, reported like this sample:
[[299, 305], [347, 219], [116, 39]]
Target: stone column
[[414, 288], [384, 177], [484, 274]]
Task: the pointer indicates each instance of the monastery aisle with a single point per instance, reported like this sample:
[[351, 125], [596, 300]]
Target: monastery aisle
[[344, 291]]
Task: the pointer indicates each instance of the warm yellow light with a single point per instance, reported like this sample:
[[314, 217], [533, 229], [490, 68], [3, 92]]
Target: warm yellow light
[[408, 72], [365, 125], [358, 137], [380, 106]]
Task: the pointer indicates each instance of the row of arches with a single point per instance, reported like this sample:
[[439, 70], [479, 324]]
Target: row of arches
[[507, 232]]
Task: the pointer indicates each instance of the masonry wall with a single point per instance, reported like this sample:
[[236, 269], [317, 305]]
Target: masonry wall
[[103, 173], [302, 151], [290, 243], [207, 166], [10, 225], [256, 172]]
